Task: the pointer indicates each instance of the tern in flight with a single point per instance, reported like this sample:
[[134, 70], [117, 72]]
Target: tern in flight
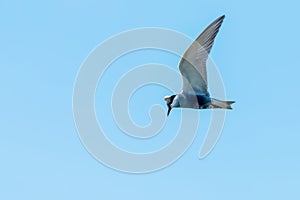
[[192, 67]]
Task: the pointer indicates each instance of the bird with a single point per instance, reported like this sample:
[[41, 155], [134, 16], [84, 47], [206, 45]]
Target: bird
[[192, 67]]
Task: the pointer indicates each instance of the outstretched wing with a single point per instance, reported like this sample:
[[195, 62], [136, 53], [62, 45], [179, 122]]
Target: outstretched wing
[[193, 63]]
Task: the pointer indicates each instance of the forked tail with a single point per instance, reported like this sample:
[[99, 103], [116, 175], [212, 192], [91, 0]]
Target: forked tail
[[215, 103]]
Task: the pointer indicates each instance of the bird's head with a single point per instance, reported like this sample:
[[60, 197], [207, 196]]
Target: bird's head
[[169, 100]]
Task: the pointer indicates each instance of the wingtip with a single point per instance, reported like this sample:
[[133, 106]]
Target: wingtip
[[222, 17], [219, 20]]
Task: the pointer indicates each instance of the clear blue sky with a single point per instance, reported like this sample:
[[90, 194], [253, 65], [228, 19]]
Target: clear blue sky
[[257, 50]]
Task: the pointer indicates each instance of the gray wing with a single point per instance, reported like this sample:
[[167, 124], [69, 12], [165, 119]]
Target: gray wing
[[193, 63]]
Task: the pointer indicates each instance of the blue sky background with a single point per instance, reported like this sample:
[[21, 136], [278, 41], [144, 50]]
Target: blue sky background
[[257, 51]]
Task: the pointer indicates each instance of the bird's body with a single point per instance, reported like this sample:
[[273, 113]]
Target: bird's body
[[191, 101], [192, 66]]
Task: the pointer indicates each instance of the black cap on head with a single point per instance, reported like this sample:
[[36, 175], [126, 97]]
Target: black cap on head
[[169, 102]]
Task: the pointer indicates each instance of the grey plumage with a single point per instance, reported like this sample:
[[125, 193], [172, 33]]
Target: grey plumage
[[192, 66]]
